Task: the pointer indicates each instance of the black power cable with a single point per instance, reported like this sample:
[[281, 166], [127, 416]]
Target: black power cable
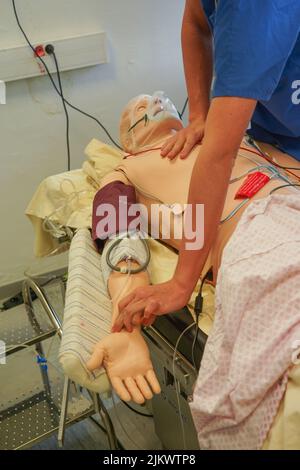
[[285, 186], [54, 84], [50, 50], [198, 308], [251, 141], [136, 411], [183, 109]]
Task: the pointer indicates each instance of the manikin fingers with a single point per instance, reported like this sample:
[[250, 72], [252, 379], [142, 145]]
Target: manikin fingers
[[120, 389], [96, 359], [151, 377], [135, 393], [144, 387]]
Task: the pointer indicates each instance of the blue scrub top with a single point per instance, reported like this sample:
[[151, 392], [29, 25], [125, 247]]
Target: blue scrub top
[[257, 55]]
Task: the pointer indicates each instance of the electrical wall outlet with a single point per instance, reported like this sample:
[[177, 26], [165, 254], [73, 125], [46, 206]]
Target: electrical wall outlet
[[72, 53]]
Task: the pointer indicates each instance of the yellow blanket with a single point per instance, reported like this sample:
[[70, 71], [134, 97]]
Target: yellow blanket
[[78, 189]]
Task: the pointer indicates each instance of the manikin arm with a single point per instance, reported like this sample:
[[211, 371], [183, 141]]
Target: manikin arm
[[125, 356]]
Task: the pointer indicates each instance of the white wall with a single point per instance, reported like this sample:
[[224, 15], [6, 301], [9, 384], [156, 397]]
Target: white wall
[[145, 55]]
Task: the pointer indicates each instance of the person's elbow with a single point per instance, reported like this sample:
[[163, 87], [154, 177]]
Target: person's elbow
[[194, 19]]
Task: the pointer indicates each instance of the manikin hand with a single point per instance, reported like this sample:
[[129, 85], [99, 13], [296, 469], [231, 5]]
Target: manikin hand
[[125, 356], [183, 142], [150, 301]]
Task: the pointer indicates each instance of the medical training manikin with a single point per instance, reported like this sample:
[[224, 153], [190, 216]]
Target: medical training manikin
[[255, 261], [145, 177]]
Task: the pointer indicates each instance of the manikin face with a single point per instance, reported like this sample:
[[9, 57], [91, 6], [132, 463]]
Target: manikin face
[[157, 107], [147, 120]]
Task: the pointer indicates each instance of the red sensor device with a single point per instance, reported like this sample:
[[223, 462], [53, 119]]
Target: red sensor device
[[254, 183]]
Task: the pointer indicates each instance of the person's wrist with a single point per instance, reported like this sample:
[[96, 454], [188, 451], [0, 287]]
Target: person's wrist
[[182, 288], [197, 119]]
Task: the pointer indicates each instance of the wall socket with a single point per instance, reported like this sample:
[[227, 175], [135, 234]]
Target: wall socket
[[72, 53]]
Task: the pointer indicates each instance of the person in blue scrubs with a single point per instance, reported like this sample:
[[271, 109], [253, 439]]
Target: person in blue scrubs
[[252, 48]]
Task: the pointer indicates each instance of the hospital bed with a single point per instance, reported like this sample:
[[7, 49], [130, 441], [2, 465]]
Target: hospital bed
[[87, 320], [174, 369], [87, 316], [31, 384]]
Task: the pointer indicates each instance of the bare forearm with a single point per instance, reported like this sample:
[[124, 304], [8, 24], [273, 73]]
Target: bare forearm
[[226, 123], [198, 63], [208, 186]]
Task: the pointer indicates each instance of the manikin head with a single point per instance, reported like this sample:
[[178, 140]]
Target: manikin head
[[147, 121]]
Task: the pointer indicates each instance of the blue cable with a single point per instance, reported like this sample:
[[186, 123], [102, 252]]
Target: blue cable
[[275, 174]]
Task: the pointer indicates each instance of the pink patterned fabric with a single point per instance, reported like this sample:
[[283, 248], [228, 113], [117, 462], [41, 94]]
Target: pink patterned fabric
[[243, 374]]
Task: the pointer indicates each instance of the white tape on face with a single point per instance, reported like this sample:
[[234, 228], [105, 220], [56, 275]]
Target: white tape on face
[[2, 92]]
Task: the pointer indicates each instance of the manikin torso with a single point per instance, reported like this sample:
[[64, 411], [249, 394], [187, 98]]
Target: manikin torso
[[158, 179]]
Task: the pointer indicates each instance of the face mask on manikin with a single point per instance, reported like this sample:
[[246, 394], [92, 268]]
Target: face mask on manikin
[[160, 108]]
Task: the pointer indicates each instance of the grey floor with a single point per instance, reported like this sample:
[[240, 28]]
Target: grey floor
[[21, 376], [140, 434]]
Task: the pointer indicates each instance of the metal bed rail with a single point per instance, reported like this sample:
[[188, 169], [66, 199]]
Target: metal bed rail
[[56, 415]]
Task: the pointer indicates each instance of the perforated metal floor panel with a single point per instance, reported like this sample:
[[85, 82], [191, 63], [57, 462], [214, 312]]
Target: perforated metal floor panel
[[31, 395], [31, 420]]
